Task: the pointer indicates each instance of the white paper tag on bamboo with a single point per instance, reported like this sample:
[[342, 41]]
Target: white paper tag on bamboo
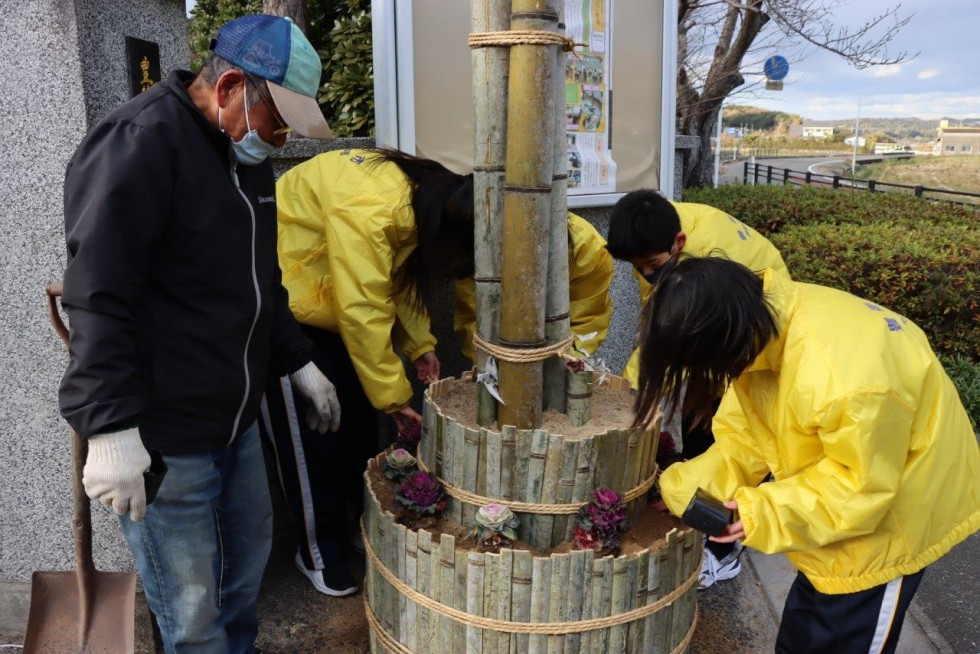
[[489, 379]]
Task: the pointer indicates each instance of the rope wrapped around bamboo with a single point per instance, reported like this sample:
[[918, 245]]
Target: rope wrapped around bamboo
[[389, 641], [523, 355], [549, 628], [531, 507], [507, 38]]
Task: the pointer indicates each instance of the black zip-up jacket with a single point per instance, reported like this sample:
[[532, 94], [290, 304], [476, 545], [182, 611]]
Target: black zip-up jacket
[[173, 289]]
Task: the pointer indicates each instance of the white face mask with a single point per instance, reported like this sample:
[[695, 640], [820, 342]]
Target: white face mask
[[251, 150]]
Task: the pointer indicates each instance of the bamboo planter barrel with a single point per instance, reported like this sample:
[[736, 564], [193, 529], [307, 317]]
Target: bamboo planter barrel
[[426, 595]]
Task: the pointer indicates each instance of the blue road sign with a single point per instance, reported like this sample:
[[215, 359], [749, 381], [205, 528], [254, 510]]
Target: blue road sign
[[776, 68]]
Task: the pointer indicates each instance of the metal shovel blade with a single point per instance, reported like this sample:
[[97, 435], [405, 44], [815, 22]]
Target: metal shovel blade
[[63, 620]]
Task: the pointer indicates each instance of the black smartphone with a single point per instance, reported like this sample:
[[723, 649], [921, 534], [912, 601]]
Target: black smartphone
[[707, 513]]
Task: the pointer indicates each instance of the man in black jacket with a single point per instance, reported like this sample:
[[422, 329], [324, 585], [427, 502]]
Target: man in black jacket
[[178, 315]]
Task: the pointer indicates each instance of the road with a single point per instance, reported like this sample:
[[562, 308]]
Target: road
[[732, 171]]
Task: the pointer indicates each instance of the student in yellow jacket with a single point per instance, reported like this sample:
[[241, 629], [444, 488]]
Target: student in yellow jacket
[[649, 232], [876, 468], [590, 272], [363, 236]]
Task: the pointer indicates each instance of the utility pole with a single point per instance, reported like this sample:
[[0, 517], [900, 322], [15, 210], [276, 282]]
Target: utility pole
[[718, 147], [857, 127]]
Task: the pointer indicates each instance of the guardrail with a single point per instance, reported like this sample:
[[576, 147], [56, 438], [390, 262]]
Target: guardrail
[[767, 174]]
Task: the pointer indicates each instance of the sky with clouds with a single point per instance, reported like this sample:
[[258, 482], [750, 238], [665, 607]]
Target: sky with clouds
[[942, 81]]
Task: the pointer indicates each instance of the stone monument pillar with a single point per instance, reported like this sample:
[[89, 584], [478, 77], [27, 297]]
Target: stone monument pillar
[[63, 66]]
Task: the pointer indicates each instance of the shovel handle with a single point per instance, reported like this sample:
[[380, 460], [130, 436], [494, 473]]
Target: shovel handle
[[82, 520]]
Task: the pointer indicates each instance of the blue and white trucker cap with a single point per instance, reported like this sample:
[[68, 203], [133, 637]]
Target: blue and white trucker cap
[[274, 49]]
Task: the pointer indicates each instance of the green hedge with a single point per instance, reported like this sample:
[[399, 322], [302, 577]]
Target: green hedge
[[966, 377], [916, 257]]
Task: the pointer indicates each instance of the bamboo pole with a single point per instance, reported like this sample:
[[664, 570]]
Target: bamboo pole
[[540, 601], [579, 396], [560, 566], [492, 450], [508, 456], [491, 599], [602, 579], [544, 524], [566, 485], [557, 323], [535, 482], [459, 600], [490, 82], [426, 618], [471, 464], [505, 596], [638, 629], [474, 600], [527, 213], [585, 644], [447, 583], [521, 594]]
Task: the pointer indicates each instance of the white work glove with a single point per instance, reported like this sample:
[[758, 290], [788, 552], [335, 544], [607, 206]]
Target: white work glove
[[324, 412], [113, 472]]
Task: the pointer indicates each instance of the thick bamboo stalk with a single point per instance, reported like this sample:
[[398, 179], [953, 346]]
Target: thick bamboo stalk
[[622, 596], [521, 597], [490, 82], [430, 436], [447, 471], [527, 209], [389, 601], [508, 460], [573, 599], [668, 568], [557, 324], [579, 397], [617, 464], [425, 617], [603, 451], [457, 433]]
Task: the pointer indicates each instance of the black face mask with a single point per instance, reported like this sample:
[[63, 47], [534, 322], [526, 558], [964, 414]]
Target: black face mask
[[654, 278]]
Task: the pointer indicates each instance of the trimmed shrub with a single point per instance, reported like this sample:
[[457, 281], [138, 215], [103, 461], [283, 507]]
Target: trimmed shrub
[[771, 208], [966, 377], [348, 95], [915, 257], [929, 274]]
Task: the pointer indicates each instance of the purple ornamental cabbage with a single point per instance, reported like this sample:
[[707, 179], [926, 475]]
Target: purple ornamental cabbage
[[600, 524], [422, 493], [409, 437]]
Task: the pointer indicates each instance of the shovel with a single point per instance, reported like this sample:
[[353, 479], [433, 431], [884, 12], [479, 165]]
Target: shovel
[[85, 610]]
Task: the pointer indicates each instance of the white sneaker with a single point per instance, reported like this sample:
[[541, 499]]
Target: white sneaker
[[343, 586], [713, 570]]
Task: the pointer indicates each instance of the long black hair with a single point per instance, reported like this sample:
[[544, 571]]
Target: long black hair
[[705, 322], [442, 202]]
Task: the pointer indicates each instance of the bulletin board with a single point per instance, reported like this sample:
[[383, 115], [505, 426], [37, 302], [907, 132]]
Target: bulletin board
[[620, 91]]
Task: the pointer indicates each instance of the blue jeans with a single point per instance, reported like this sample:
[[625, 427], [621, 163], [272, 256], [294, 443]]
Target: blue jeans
[[203, 546]]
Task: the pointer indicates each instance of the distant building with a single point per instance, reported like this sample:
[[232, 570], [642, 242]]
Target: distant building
[[817, 133], [885, 148], [850, 141], [956, 141]]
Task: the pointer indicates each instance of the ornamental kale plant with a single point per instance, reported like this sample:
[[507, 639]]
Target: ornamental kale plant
[[494, 519], [600, 524], [421, 493], [399, 463], [409, 437]]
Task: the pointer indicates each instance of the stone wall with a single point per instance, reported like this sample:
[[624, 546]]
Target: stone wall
[[62, 67]]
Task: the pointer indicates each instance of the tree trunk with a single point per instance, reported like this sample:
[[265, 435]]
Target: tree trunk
[[295, 9]]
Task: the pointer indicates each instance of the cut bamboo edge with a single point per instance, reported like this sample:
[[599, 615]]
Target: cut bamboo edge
[[548, 628]]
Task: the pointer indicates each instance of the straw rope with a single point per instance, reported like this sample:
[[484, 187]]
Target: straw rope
[[508, 38], [531, 507], [493, 624], [396, 646], [515, 355]]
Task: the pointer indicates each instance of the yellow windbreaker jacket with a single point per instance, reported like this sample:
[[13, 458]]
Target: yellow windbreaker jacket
[[712, 232], [876, 467], [590, 272], [345, 227]]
